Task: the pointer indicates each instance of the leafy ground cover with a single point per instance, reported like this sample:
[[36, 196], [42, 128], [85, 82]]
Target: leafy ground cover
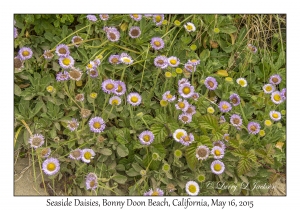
[[151, 104]]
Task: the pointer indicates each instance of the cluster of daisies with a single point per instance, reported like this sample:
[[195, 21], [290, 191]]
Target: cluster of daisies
[[24, 54]]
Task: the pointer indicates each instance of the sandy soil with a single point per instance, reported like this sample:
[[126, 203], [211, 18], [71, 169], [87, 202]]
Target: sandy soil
[[24, 181]]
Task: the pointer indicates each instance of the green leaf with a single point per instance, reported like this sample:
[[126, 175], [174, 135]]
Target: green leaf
[[137, 167], [229, 29], [160, 132], [105, 151], [36, 109], [209, 122], [122, 150], [190, 155], [203, 140], [119, 178], [204, 55], [244, 166], [122, 135], [131, 172], [17, 90], [120, 167]]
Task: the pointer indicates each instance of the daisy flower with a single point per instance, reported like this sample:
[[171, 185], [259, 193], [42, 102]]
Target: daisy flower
[[25, 53], [109, 86], [134, 32], [75, 74], [268, 88], [62, 50], [18, 62], [51, 166], [156, 192], [276, 97], [85, 113], [173, 61], [195, 96], [167, 96], [76, 40], [115, 100], [224, 106], [202, 152], [185, 118], [62, 76], [90, 65], [252, 48], [236, 120], [219, 144], [217, 152], [186, 140], [93, 73], [275, 79], [211, 83], [125, 58], [73, 124], [114, 59], [146, 137], [253, 127], [276, 116], [182, 105], [194, 62], [104, 16], [157, 43], [92, 18], [178, 134], [234, 99], [121, 88], [158, 19], [242, 82], [217, 167], [79, 97], [37, 140], [87, 155], [161, 61], [222, 120], [136, 17], [191, 110], [91, 181], [97, 124], [190, 27], [112, 34], [134, 99], [226, 137], [183, 81], [45, 152], [189, 67], [186, 90], [66, 62], [210, 110], [192, 188], [76, 154], [283, 93], [48, 55]]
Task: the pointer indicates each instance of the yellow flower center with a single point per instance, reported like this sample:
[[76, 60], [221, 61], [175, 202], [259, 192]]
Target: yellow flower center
[[189, 27], [109, 86], [186, 138], [66, 61], [92, 183], [268, 123], [126, 60], [185, 118], [179, 135], [192, 188], [224, 106], [146, 138], [157, 43], [217, 167], [194, 60], [97, 125], [277, 97], [186, 90], [173, 61], [275, 80], [157, 18], [51, 167], [87, 155], [262, 133], [119, 89], [155, 193], [134, 99], [89, 65], [25, 53], [114, 60], [115, 102], [163, 103], [135, 16], [268, 88], [242, 82], [253, 128], [210, 110], [217, 152], [181, 105], [227, 138], [169, 96], [275, 115]]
